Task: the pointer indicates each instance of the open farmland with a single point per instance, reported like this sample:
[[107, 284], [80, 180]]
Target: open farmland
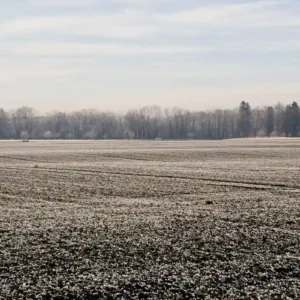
[[150, 220]]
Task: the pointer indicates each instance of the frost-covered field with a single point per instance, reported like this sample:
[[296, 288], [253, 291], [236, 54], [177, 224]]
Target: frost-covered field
[[150, 220]]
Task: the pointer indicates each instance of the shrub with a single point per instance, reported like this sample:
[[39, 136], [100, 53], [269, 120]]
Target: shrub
[[48, 135], [129, 135], [25, 136]]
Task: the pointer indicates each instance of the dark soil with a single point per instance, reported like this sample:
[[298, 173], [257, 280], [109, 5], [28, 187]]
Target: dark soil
[[142, 220]]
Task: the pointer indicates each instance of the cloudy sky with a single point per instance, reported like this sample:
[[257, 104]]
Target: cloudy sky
[[119, 54]]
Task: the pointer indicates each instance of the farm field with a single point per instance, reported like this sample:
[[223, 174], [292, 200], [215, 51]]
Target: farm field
[[150, 219]]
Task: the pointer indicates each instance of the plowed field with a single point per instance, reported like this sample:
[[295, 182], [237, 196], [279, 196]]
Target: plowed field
[[150, 220]]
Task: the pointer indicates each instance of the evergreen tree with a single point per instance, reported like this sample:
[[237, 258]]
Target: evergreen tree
[[245, 122], [291, 120], [269, 120], [4, 125], [294, 119]]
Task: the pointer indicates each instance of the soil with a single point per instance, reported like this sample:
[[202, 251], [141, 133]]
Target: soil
[[150, 220]]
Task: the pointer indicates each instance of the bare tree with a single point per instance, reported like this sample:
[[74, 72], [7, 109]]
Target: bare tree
[[279, 118], [258, 115], [151, 122], [22, 120]]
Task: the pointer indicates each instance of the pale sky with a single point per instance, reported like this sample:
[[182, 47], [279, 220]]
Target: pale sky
[[120, 54]]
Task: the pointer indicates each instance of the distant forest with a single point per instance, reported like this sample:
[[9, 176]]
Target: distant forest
[[152, 122]]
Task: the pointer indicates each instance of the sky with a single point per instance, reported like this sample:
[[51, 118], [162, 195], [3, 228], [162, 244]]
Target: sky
[[122, 54]]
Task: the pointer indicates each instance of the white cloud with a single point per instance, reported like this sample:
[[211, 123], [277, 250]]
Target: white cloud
[[111, 49], [77, 49], [63, 3], [140, 23], [14, 71], [125, 25], [86, 3], [266, 13], [22, 26]]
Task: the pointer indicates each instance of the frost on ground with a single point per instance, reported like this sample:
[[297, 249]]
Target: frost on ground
[[150, 220]]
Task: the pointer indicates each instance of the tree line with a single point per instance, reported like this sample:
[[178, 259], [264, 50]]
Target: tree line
[[153, 122]]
